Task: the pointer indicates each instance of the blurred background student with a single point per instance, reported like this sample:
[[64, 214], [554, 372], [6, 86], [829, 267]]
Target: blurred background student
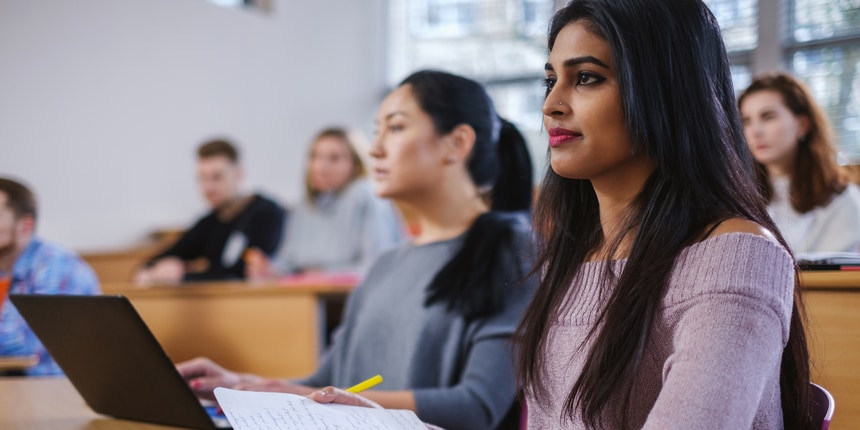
[[213, 248], [435, 317], [32, 266], [340, 225], [810, 198]]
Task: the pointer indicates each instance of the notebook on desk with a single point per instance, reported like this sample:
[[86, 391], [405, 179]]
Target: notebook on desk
[[113, 360], [828, 260]]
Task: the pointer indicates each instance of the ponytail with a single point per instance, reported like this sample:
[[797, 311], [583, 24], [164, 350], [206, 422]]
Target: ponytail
[[513, 188], [499, 162], [469, 283]]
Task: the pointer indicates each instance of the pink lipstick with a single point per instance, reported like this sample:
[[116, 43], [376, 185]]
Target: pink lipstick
[[558, 136]]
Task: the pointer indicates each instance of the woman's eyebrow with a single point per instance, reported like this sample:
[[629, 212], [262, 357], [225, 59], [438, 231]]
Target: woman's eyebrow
[[571, 62]]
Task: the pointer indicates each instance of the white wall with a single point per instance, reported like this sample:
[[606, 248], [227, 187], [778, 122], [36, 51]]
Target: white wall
[[103, 102]]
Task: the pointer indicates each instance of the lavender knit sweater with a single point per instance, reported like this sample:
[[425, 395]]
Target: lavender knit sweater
[[713, 358]]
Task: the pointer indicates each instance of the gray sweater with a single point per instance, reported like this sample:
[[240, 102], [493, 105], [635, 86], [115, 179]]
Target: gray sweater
[[339, 232], [713, 358], [461, 371]]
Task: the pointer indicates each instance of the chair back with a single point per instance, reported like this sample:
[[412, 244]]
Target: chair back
[[823, 406]]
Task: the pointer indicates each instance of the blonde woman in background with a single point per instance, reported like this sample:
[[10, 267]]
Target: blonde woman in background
[[340, 226]]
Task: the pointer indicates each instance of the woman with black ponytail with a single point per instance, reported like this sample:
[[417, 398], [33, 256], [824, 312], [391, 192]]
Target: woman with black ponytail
[[668, 299], [434, 317]]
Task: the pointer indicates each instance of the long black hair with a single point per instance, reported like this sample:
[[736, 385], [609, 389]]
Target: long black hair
[[679, 108], [498, 164]]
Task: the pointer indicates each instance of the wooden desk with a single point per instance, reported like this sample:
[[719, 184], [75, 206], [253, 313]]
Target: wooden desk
[[118, 266], [267, 329], [17, 363], [833, 313], [53, 404]]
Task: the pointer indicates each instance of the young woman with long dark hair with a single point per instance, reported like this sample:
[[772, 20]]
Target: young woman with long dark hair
[[435, 317], [668, 300]]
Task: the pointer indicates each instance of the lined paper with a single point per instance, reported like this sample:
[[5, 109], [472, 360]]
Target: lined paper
[[249, 410]]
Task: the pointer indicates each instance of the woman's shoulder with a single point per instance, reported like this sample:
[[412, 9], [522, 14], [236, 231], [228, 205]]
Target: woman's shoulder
[[741, 225], [358, 189], [847, 200], [736, 237], [739, 257], [265, 203]]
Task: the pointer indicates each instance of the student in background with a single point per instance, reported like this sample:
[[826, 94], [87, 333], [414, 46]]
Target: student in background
[[35, 266], [434, 317], [810, 198], [236, 223], [340, 225]]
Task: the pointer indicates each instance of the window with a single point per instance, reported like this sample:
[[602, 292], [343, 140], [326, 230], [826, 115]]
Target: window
[[443, 18], [500, 43], [738, 23], [817, 40], [824, 50], [824, 19], [264, 5]]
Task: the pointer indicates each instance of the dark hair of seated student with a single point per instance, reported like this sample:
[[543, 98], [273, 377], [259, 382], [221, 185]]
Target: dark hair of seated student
[[678, 106], [499, 164]]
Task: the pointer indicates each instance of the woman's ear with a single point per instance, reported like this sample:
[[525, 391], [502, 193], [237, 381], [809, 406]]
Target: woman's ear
[[25, 226], [803, 127], [461, 140]]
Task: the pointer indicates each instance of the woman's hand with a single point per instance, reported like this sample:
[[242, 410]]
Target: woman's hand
[[168, 270], [274, 385], [341, 397], [257, 265], [204, 375]]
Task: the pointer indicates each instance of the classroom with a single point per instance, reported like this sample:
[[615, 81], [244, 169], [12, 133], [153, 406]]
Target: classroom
[[251, 177]]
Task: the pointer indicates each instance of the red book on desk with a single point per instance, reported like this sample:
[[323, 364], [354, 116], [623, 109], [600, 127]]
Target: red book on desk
[[311, 279], [829, 261]]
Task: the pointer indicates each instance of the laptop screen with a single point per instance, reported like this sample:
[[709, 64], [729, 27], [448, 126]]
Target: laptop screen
[[112, 358]]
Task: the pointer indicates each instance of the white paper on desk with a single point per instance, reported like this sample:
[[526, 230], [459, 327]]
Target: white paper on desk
[[249, 410]]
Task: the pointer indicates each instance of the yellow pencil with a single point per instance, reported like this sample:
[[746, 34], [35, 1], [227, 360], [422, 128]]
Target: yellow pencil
[[361, 386]]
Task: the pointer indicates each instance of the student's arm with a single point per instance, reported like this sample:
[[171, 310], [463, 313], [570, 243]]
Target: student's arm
[[189, 246], [728, 346], [341, 397], [54, 273], [486, 387], [265, 229], [65, 274], [169, 266], [368, 399], [837, 226], [480, 401]]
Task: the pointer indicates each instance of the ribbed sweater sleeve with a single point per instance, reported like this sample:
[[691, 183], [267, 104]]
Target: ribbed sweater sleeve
[[713, 356], [728, 311]]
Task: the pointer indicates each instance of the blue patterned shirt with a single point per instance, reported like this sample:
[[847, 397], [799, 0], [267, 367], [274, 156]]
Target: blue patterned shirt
[[43, 268]]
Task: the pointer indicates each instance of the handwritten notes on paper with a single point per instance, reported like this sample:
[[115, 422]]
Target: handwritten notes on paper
[[279, 411]]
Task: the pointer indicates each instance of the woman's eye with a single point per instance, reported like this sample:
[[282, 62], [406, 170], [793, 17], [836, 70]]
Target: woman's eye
[[549, 84], [588, 79], [395, 128]]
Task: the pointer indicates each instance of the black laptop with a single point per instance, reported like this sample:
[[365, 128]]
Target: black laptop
[[113, 360]]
